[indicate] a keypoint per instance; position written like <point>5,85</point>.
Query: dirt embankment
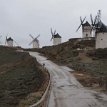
<point>90,65</point>
<point>22,79</point>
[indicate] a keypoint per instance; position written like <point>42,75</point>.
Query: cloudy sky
<point>19,18</point>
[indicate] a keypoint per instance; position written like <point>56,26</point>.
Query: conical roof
<point>101,27</point>
<point>86,24</point>
<point>9,39</point>
<point>57,36</point>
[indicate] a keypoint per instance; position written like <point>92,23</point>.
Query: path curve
<point>66,90</point>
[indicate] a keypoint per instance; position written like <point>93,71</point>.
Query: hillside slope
<point>20,75</point>
<point>90,64</point>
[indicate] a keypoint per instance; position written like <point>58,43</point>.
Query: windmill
<point>96,23</point>
<point>9,41</point>
<point>55,37</point>
<point>86,28</point>
<point>100,30</point>
<point>35,41</point>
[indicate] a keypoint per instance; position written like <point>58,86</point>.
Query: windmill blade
<point>35,39</point>
<point>31,42</point>
<point>91,19</point>
<point>95,20</point>
<point>6,40</point>
<point>78,27</point>
<point>92,23</point>
<point>52,32</point>
<point>31,36</point>
<point>51,38</point>
<point>38,36</point>
<point>83,20</point>
<point>80,19</point>
<point>99,15</point>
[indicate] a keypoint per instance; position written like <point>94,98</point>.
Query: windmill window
<point>86,35</point>
<point>101,39</point>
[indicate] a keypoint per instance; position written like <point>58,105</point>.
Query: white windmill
<point>35,41</point>
<point>55,37</point>
<point>9,42</point>
<point>100,31</point>
<point>86,28</point>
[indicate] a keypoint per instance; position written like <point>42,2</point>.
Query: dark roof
<point>9,39</point>
<point>86,24</point>
<point>101,27</point>
<point>57,36</point>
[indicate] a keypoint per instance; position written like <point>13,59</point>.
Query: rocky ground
<point>22,79</point>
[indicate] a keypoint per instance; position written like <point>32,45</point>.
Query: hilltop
<point>90,65</point>
<point>22,79</point>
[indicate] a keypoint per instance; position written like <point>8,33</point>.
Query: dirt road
<point>66,90</point>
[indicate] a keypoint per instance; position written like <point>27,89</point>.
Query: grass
<point>20,75</point>
<point>92,62</point>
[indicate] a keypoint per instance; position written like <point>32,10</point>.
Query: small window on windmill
<point>101,39</point>
<point>86,35</point>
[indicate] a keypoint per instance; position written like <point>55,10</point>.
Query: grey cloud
<point>21,17</point>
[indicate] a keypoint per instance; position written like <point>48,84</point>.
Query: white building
<point>9,42</point>
<point>86,30</point>
<point>101,37</point>
<point>35,43</point>
<point>56,39</point>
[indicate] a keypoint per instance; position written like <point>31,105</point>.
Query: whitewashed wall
<point>10,43</point>
<point>56,41</point>
<point>101,40</point>
<point>86,30</point>
<point>35,44</point>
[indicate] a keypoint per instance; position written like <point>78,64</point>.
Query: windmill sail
<point>82,21</point>
<point>53,34</point>
<point>31,36</point>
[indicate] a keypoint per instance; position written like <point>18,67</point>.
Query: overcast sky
<point>19,18</point>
